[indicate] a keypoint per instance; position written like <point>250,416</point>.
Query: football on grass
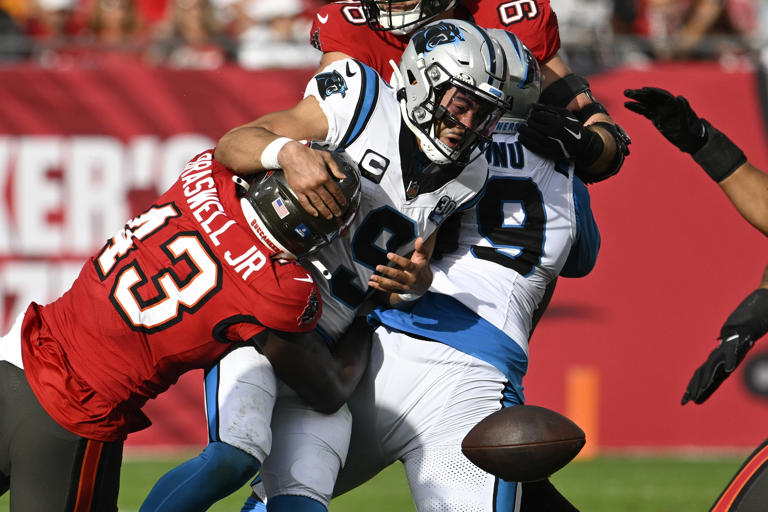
<point>523,443</point>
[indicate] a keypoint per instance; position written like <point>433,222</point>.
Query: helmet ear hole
<point>411,78</point>
<point>279,220</point>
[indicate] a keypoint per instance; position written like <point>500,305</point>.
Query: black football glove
<point>555,133</point>
<point>676,120</point>
<point>747,324</point>
<point>671,115</point>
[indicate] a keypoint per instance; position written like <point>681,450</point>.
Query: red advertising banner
<point>81,151</point>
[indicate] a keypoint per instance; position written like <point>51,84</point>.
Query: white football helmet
<point>385,15</point>
<point>452,73</point>
<point>523,86</point>
<point>278,219</point>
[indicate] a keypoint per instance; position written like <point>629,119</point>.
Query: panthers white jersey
<point>402,198</point>
<point>513,242</point>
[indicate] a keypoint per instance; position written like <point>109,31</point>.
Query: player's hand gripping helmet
<point>275,214</point>
<point>451,75</point>
<point>402,16</point>
<point>523,85</point>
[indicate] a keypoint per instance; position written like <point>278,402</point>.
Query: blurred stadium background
<point>102,102</point>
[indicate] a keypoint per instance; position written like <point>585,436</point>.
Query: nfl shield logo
<point>302,230</point>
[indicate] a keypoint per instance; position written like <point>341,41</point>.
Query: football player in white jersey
<point>459,353</point>
<point>417,147</point>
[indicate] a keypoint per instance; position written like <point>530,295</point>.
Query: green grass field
<point>606,484</point>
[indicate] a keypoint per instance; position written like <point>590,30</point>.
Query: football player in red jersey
<point>181,283</point>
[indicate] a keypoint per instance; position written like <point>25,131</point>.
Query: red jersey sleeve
<point>341,27</point>
<point>332,25</point>
<point>532,21</point>
<point>292,301</point>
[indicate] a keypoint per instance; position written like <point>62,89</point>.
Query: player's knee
<point>294,504</point>
<point>227,463</point>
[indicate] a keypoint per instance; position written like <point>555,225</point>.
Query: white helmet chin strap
<point>428,145</point>
<point>262,233</point>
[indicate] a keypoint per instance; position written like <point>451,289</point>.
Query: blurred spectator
<point>278,36</point>
<point>16,9</point>
<point>152,12</point>
<point>192,38</point>
<point>695,29</point>
<point>53,26</point>
<point>586,33</point>
<point>114,31</point>
<point>53,19</point>
<point>630,27</point>
<point>228,14</point>
<point>626,15</point>
<point>14,44</point>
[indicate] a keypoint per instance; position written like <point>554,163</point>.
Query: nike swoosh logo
<point>322,19</point>
<point>307,279</point>
<point>350,74</point>
<point>576,136</point>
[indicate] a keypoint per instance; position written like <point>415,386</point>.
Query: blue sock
<point>197,484</point>
<point>253,504</point>
<point>294,504</point>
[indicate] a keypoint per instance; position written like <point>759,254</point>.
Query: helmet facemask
<point>396,16</point>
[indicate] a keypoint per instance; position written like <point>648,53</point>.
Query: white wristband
<point>269,155</point>
<point>410,297</point>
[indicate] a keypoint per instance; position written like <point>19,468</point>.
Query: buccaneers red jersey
<point>165,295</point>
<point>341,27</point>
<point>532,21</point>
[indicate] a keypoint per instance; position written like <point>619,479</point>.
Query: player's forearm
<point>335,380</point>
<point>324,379</point>
<point>241,148</point>
<point>747,189</point>
<point>606,162</point>
<point>561,88</point>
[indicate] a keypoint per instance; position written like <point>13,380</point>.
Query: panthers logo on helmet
<point>434,35</point>
<point>331,83</point>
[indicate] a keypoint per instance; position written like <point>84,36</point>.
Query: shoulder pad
<point>348,92</point>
